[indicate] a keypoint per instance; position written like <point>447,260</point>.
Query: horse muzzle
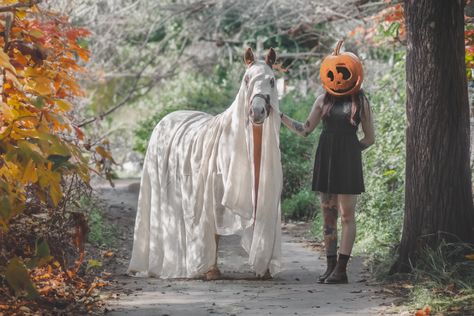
<point>260,108</point>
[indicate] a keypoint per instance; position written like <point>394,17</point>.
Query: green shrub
<point>381,207</point>
<point>189,91</point>
<point>297,156</point>
<point>101,233</point>
<point>302,205</point>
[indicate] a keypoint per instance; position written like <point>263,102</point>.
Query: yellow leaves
<point>92,263</point>
<point>51,180</point>
<point>59,148</point>
<point>55,192</point>
<point>6,113</point>
<point>104,153</point>
<point>5,62</point>
<point>40,86</point>
<point>38,143</point>
<point>21,14</point>
<point>64,105</point>
<point>28,151</point>
<point>36,33</point>
<point>11,77</point>
<point>29,173</point>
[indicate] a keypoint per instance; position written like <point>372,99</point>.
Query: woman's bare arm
<point>367,122</point>
<point>304,129</point>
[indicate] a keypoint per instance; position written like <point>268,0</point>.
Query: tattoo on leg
<point>330,212</point>
<point>326,197</point>
<point>330,229</point>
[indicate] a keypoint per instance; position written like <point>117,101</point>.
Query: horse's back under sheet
<point>197,182</point>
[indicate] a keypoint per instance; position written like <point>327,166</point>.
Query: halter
<point>266,98</point>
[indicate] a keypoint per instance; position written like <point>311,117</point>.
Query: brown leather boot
<point>331,264</point>
<point>339,276</point>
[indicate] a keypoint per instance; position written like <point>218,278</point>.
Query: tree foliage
<point>44,156</point>
<point>39,144</point>
<point>388,26</point>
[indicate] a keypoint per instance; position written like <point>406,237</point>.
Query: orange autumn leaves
<point>425,311</point>
<point>39,60</point>
<point>388,25</point>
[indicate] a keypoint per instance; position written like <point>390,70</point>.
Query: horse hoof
<point>266,276</point>
<point>213,274</point>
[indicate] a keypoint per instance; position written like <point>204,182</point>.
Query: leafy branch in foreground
<point>42,160</point>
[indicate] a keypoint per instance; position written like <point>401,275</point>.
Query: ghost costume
<point>198,181</point>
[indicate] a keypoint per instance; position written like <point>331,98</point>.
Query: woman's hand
<point>311,122</point>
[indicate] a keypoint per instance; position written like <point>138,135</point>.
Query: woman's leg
<point>329,207</point>
<point>346,205</point>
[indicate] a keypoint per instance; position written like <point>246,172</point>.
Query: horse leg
<point>214,273</point>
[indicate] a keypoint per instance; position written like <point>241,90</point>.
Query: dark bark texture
<point>438,192</point>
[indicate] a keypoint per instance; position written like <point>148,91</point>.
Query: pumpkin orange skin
<point>341,73</point>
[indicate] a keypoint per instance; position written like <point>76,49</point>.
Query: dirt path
<point>293,292</point>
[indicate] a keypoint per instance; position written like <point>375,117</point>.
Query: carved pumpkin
<point>341,73</point>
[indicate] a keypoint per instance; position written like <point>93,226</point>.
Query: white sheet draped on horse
<point>197,182</point>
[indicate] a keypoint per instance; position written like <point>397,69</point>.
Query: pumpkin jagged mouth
<point>343,90</point>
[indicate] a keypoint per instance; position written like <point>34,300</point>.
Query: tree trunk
<point>438,193</point>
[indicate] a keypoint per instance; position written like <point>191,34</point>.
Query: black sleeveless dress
<point>338,162</point>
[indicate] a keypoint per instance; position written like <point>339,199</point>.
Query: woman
<point>337,171</point>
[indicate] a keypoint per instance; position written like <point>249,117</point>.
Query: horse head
<point>260,84</point>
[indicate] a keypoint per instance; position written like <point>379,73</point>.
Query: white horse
<point>205,176</point>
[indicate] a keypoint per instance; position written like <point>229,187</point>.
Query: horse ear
<point>249,57</point>
<point>271,57</point>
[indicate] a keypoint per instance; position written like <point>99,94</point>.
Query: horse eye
<point>272,82</point>
<point>247,80</point>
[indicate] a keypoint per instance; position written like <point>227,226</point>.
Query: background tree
<point>438,193</point>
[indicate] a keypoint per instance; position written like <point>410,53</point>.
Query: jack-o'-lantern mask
<point>341,73</point>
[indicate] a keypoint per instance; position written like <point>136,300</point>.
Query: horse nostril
<point>263,111</point>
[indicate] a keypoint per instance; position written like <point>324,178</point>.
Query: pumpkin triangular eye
<point>346,74</point>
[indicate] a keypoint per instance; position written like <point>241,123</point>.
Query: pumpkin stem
<point>338,47</point>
